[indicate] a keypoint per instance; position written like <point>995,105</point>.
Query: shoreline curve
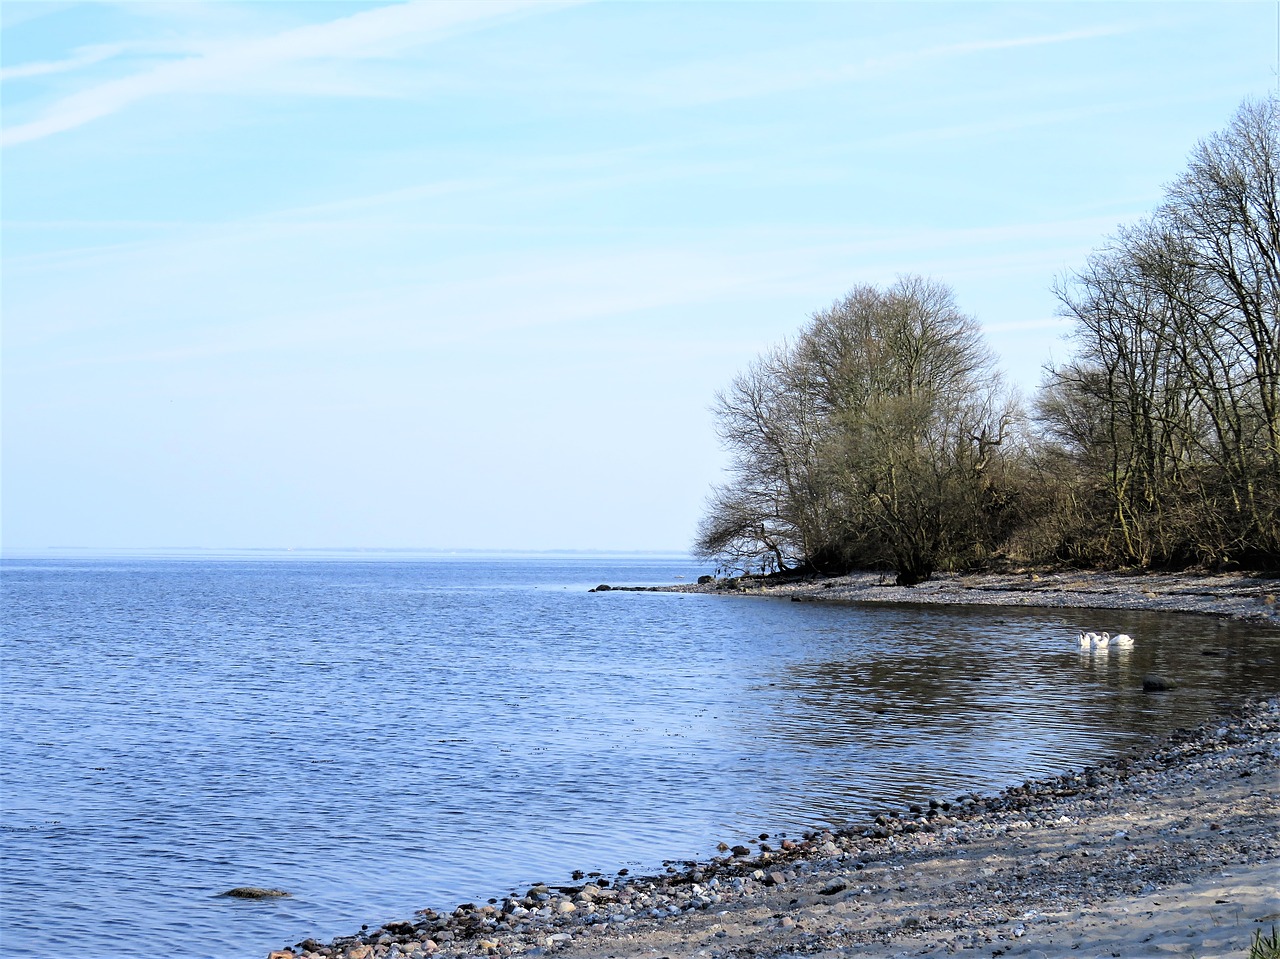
<point>1249,597</point>
<point>1173,850</point>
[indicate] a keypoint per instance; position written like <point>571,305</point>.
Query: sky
<point>468,276</point>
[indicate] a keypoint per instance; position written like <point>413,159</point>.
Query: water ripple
<point>377,737</point>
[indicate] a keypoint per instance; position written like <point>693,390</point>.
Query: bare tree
<point>770,516</point>
<point>868,441</point>
<point>1170,408</point>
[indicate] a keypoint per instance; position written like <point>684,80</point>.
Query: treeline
<point>882,437</point>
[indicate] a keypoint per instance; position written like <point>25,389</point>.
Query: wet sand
<point>1171,852</point>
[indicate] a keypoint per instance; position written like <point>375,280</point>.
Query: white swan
<point>1092,640</point>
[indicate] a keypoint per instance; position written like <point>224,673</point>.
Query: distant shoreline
<point>1239,596</point>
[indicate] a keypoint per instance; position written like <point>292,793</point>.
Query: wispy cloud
<point>13,14</point>
<point>239,67</point>
<point>789,70</point>
<point>84,57</point>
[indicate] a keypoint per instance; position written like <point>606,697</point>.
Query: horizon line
<point>431,550</point>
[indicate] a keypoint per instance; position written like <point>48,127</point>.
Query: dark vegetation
<point>882,437</point>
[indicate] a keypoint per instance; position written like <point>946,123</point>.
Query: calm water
<point>377,735</point>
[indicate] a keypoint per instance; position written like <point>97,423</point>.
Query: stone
<point>1151,683</point>
<point>254,892</point>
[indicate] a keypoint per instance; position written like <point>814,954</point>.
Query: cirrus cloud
<point>239,66</point>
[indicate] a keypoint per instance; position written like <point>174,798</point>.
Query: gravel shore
<point>1234,595</point>
<point>1174,851</point>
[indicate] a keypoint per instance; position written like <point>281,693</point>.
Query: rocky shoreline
<point>1243,596</point>
<point>1173,851</point>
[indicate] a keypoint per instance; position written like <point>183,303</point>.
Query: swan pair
<point>1103,640</point>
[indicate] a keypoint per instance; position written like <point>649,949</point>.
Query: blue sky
<point>469,275</point>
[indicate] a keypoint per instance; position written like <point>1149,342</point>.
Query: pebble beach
<point>1227,596</point>
<point>1171,850</point>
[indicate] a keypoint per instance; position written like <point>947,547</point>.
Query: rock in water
<point>255,892</point>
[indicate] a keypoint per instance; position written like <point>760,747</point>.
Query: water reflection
<point>904,703</point>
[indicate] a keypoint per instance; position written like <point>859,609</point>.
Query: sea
<point>378,732</point>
